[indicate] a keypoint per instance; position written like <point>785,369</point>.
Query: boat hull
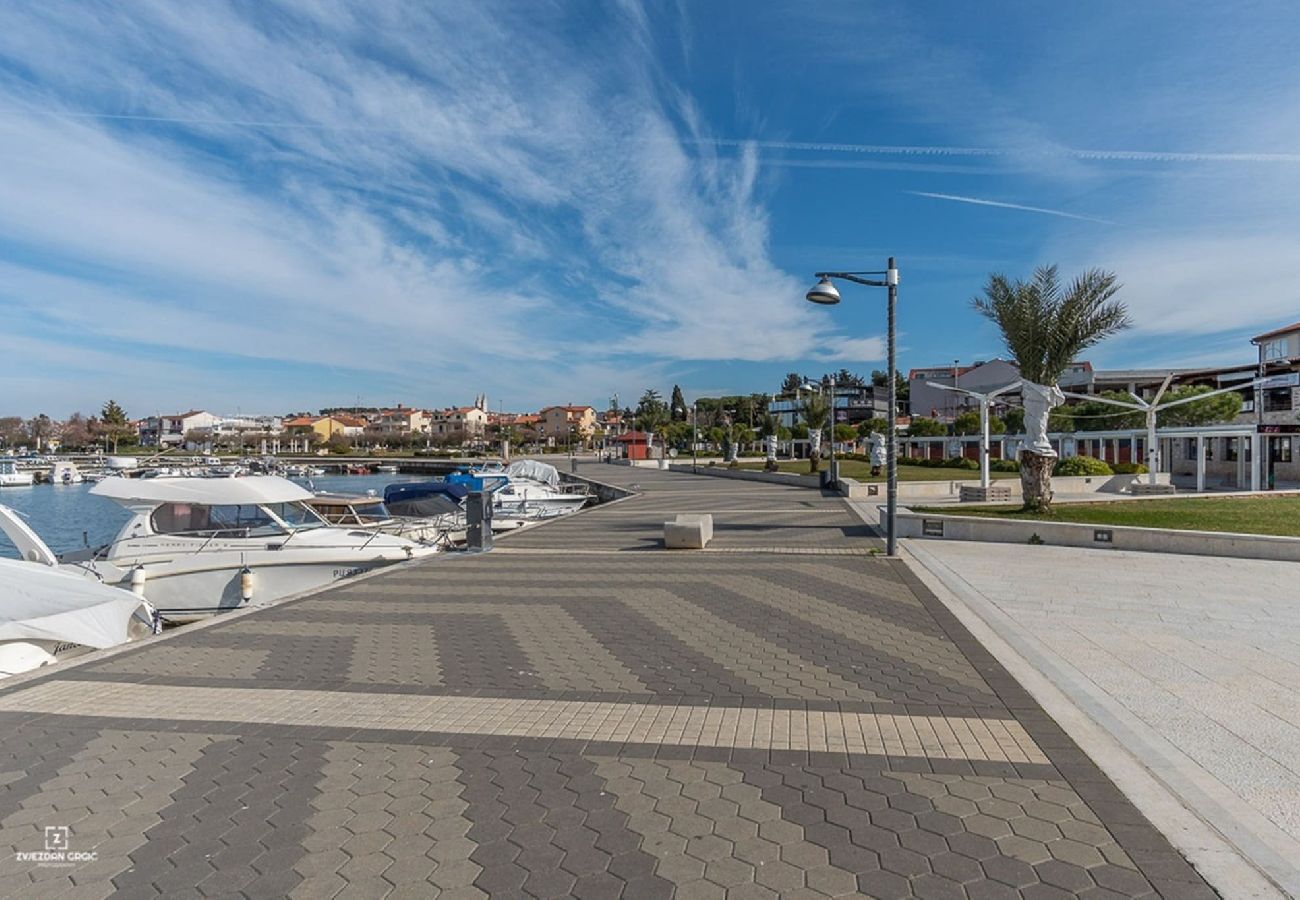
<point>183,590</point>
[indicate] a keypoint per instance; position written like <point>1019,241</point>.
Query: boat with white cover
<point>12,476</point>
<point>50,614</point>
<point>532,490</point>
<point>199,546</point>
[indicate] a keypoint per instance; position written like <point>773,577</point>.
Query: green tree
<point>1045,326</point>
<point>1093,415</point>
<point>1223,408</point>
<point>113,423</point>
<point>678,405</point>
<point>651,413</point>
<point>920,426</point>
<point>967,423</point>
<point>793,381</point>
<point>879,426</point>
<point>844,432</point>
<point>1015,420</point>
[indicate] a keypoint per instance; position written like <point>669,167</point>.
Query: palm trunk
<point>1036,480</point>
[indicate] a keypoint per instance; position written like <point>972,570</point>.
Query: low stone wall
<point>942,489</point>
<point>1106,537</point>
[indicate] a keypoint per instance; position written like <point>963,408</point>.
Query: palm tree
<point>816,411</point>
<point>651,413</point>
<point>1045,326</point>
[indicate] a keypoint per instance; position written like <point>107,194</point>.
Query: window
<point>1230,449</point>
<point>1281,449</point>
<point>198,520</point>
<point>1277,348</point>
<point>1277,399</point>
<point>296,515</point>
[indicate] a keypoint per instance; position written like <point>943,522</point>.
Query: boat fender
<point>246,583</point>
<point>138,578</point>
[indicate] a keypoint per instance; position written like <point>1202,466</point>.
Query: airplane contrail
<point>979,201</point>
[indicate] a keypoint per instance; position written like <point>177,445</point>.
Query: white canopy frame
<point>985,401</point>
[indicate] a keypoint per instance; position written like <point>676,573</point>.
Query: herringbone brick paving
<point>577,714</point>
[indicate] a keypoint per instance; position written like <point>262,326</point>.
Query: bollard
<point>478,520</point>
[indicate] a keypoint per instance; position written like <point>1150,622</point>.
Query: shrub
<point>1129,469</point>
<point>1082,465</point>
<point>958,462</point>
<point>1004,465</point>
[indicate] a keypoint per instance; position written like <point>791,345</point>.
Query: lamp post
<point>825,293</point>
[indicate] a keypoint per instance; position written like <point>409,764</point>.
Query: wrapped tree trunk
<point>815,448</point>
<point>1038,457</point>
<point>770,447</point>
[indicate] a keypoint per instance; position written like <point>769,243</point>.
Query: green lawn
<point>860,471</point>
<point>1246,515</point>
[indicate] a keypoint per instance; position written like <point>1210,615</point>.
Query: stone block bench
<point>688,532</point>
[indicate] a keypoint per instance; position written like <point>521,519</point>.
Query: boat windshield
<point>296,514</point>
<point>227,520</point>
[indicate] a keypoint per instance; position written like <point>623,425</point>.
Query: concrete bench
<point>688,532</point>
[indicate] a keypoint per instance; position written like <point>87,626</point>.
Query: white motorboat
<point>51,614</point>
<point>64,472</point>
<point>533,491</point>
<point>386,469</point>
<point>12,476</point>
<point>369,511</point>
<point>199,546</point>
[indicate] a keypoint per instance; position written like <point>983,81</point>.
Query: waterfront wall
<point>929,526</point>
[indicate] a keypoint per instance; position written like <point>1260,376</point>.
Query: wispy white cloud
<point>302,183</point>
<point>980,201</point>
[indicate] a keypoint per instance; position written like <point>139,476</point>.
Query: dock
<point>578,713</point>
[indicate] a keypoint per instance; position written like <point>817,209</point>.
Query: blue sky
<point>266,206</point>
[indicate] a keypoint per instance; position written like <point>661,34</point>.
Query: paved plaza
<point>577,714</point>
<point>1193,662</point>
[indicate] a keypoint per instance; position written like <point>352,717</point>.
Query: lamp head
<point>823,292</point>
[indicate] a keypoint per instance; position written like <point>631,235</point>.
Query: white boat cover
<point>534,471</point>
<point>251,490</point>
<point>40,603</point>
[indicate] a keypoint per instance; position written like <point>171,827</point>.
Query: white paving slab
<point>1192,664</point>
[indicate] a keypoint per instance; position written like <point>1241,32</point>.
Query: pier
<point>577,713</point>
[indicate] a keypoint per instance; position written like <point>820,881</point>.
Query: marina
<point>194,543</point>
<point>489,723</point>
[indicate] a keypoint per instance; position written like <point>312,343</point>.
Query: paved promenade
<point>1192,662</point>
<point>578,713</point>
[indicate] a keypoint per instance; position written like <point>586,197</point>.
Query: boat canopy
<point>45,604</point>
<point>253,490</point>
<point>534,471</point>
<point>421,499</point>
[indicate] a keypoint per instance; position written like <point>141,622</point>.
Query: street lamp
<point>826,293</point>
